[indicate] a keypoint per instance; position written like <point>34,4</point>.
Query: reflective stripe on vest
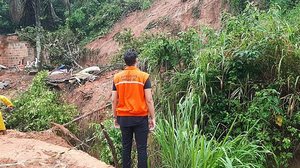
<point>131,95</point>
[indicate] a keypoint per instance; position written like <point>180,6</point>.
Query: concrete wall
<point>14,52</point>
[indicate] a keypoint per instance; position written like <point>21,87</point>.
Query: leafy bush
<point>38,107</point>
<point>6,25</point>
<point>272,126</point>
<point>101,147</point>
<point>238,6</point>
<point>94,18</point>
<point>248,70</point>
<point>60,47</point>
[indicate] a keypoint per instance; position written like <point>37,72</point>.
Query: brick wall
<point>14,52</point>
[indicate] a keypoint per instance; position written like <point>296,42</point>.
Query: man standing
<point>132,103</point>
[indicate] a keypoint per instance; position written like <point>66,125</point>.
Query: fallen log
<point>87,114</point>
<point>60,130</point>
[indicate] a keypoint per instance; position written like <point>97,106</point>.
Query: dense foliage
<point>248,71</point>
<point>90,19</point>
<point>65,27</point>
<point>36,108</point>
<point>86,19</point>
<point>237,6</point>
<point>101,146</point>
<point>60,47</point>
<point>224,98</point>
<point>6,25</point>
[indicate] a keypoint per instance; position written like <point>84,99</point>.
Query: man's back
<point>131,104</point>
<point>130,84</point>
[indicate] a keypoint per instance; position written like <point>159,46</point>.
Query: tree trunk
<point>38,34</point>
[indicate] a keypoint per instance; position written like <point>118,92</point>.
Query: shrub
<point>94,18</point>
<point>101,146</point>
<point>38,107</point>
<point>59,47</point>
<point>248,70</point>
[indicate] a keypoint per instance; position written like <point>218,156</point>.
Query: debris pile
<point>61,76</point>
<point>4,84</point>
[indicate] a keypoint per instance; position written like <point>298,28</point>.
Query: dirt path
<point>177,14</point>
<point>21,152</point>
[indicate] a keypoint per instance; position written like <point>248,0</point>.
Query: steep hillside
<point>175,14</point>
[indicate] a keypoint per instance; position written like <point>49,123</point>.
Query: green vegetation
<point>238,6</point>
<point>227,98</point>
<point>183,145</point>
<point>86,19</point>
<point>64,27</point>
<point>248,71</point>
<point>101,146</point>
<point>91,19</point>
<point>6,25</point>
<point>62,46</point>
<point>38,107</point>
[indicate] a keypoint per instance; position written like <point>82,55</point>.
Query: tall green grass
<point>182,144</point>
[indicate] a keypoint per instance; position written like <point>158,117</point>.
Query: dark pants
<point>141,135</point>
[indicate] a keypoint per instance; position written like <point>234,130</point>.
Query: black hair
<point>130,57</point>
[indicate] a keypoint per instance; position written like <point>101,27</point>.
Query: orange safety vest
<point>130,88</point>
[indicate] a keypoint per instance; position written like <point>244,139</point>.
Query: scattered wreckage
<point>4,84</point>
<point>69,77</point>
<point>63,76</point>
<point>59,76</point>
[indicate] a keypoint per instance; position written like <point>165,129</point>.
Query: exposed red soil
<point>92,96</point>
<point>41,149</point>
<point>18,151</point>
<point>45,149</point>
<point>19,82</point>
<point>46,136</point>
<point>178,14</point>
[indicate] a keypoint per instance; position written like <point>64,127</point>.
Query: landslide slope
<point>178,15</point>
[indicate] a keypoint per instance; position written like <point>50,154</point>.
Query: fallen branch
<point>66,134</point>
<point>72,57</point>
<point>85,115</point>
<point>111,146</point>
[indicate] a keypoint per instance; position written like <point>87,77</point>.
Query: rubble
<point>89,74</point>
<point>4,84</point>
<point>2,67</point>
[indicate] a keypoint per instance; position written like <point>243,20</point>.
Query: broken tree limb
<point>66,134</point>
<point>72,57</point>
<point>111,146</point>
<point>85,115</point>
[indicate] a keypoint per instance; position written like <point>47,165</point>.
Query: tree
<point>29,12</point>
<point>6,25</point>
